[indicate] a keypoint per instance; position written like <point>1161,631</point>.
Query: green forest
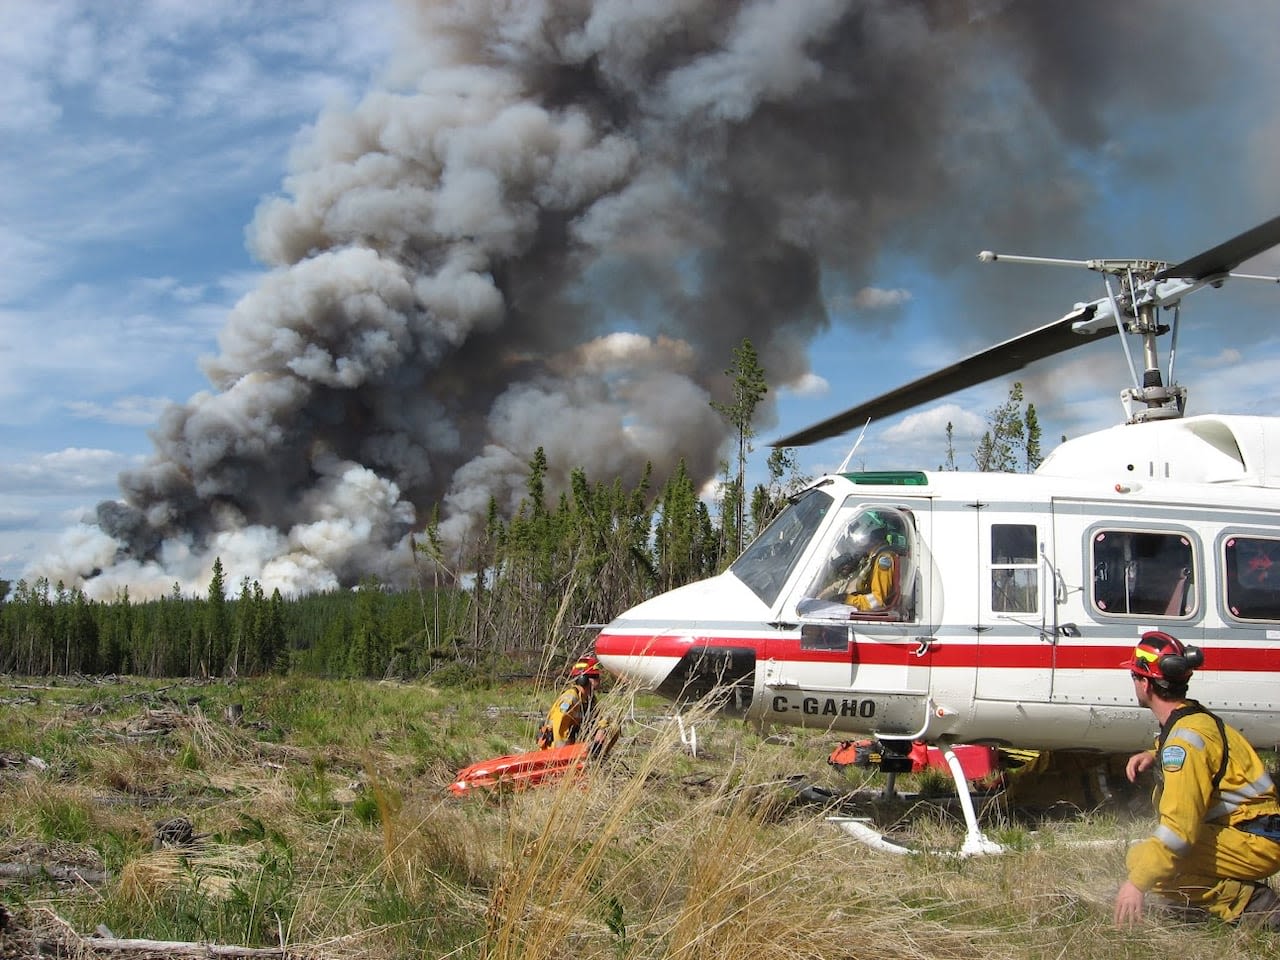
<point>533,583</point>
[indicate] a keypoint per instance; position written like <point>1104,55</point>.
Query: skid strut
<point>976,843</point>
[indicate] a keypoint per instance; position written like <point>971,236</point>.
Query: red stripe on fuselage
<point>946,654</point>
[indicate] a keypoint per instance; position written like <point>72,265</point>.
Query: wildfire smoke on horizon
<point>552,227</point>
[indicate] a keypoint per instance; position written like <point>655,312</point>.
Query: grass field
<point>315,815</point>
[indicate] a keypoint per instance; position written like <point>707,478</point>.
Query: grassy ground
<point>323,822</point>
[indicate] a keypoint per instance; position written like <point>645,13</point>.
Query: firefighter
<point>570,714</point>
<point>867,576</point>
<point>1218,839</point>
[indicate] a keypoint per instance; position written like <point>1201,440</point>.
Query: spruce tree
<point>747,390</point>
<point>217,622</point>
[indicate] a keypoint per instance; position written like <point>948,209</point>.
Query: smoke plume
<point>552,227</point>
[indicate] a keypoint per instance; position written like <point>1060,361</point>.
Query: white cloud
<point>1227,357</point>
<point>126,411</point>
<point>73,470</point>
<point>870,299</point>
<point>930,425</point>
<point>808,385</point>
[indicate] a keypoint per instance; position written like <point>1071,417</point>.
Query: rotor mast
<point>1135,310</point>
<point>1161,402</point>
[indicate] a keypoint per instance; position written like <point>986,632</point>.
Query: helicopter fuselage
<point>1017,597</point>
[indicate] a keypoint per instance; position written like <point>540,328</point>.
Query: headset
<point>1174,667</point>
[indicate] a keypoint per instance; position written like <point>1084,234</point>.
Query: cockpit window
<point>766,565</point>
<point>869,572</point>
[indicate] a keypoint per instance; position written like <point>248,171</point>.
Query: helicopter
<point>1007,602</point>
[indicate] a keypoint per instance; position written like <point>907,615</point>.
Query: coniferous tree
<point>217,622</point>
<point>747,390</point>
<point>83,635</point>
<point>241,630</point>
<point>117,639</point>
<point>1004,440</point>
<point>678,533</point>
<point>370,652</point>
<point>271,632</point>
<point>767,500</point>
<point>730,517</point>
<point>950,462</point>
<point>1034,456</point>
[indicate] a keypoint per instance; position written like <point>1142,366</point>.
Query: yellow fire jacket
<point>1188,799</point>
<point>567,714</point>
<point>873,588</point>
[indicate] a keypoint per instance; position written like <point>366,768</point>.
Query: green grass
<point>325,821</point>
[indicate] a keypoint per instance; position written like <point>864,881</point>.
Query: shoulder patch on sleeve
<point>1172,759</point>
<point>884,561</point>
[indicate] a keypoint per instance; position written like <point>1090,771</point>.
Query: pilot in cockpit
<point>867,571</point>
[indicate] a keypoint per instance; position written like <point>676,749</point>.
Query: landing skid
<point>976,843</point>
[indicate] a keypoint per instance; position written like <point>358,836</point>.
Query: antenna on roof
<point>852,450</point>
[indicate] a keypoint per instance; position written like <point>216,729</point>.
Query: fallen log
<point>52,871</point>
<point>44,933</point>
<point>180,948</point>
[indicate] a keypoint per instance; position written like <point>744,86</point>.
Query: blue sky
<point>139,140</point>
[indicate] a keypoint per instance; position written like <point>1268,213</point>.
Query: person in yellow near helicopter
<point>1218,839</point>
<point>867,576</point>
<point>570,713</point>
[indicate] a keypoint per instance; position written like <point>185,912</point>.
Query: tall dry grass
<point>338,838</point>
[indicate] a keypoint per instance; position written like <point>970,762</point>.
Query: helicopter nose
<point>640,657</point>
<point>684,669</point>
<point>693,641</point>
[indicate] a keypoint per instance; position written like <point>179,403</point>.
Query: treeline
<point>521,601</point>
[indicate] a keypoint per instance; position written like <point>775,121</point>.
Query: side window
<point>869,569</point>
<point>1141,573</point>
<point>815,636</point>
<point>1251,568</point>
<point>1015,569</point>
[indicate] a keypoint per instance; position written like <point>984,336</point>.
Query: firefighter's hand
<point>1129,903</point>
<point>1139,763</point>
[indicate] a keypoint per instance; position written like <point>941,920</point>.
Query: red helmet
<point>1162,656</point>
<point>587,666</point>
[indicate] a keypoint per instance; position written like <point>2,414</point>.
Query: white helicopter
<point>1007,601</point>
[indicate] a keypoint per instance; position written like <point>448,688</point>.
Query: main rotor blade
<point>1003,358</point>
<point>1228,255</point>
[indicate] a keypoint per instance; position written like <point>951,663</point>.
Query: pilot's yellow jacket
<point>873,588</point>
<point>1199,853</point>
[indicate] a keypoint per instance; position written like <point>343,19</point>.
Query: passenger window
<point>1143,574</point>
<point>1015,570</point>
<point>1252,573</point>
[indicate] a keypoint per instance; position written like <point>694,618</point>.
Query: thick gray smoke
<point>554,225</point>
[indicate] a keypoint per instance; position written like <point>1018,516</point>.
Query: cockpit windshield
<point>767,563</point>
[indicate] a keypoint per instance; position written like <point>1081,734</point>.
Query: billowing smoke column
<point>551,230</point>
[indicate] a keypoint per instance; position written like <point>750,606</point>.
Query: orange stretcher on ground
<point>520,770</point>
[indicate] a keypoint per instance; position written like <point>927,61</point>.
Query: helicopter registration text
<point>824,706</point>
